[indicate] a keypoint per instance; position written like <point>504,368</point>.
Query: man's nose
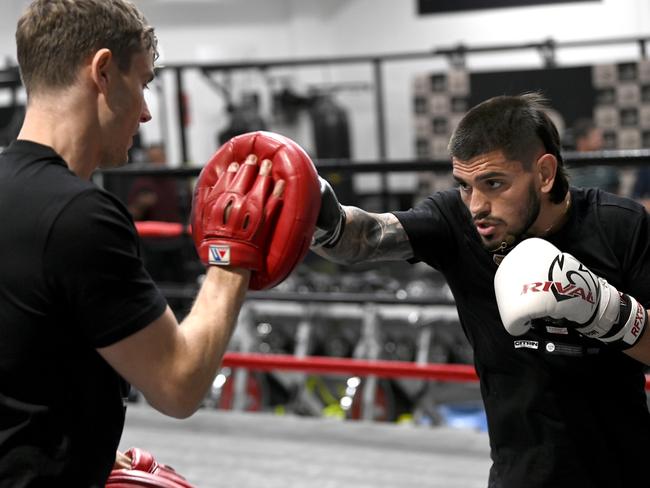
<point>145,116</point>
<point>479,205</point>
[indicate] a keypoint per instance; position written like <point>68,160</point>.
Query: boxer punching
<point>551,284</point>
<point>80,318</point>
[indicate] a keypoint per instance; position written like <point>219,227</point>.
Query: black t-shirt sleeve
<point>429,230</point>
<point>636,264</point>
<point>93,264</point>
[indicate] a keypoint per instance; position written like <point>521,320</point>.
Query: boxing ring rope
<point>621,157</point>
<point>149,229</point>
<point>155,230</point>
<point>462,373</point>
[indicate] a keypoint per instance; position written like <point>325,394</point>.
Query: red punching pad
<point>289,240</point>
<point>145,472</point>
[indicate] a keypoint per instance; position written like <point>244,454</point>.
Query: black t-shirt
<point>71,281</point>
<point>563,410</point>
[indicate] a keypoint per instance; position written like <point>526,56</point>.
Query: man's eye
<point>493,184</point>
<point>463,186</point>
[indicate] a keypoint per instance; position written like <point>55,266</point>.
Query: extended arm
<point>172,365</point>
<point>351,235</point>
<point>368,237</point>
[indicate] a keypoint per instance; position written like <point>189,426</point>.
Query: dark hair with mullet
<point>516,125</point>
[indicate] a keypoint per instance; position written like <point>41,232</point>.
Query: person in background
<point>155,197</point>
<point>587,137</point>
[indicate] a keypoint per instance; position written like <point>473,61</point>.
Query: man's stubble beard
<point>533,206</point>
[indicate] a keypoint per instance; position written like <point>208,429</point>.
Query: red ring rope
<point>153,229</point>
<point>358,367</point>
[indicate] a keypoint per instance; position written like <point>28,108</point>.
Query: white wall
<point>245,30</point>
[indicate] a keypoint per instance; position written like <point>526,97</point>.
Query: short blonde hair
<point>54,37</point>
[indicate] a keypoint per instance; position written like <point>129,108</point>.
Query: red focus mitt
<point>237,222</point>
<point>145,471</point>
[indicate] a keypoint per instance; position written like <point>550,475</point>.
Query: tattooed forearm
<point>369,237</point>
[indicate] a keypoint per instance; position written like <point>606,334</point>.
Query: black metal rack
<point>456,55</point>
<point>622,157</point>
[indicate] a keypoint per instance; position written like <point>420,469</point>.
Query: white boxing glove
<point>536,280</point>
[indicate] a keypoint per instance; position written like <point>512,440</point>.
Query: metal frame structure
<point>456,55</point>
<point>622,157</point>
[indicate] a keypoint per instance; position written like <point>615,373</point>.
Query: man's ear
<point>546,171</point>
<point>100,65</point>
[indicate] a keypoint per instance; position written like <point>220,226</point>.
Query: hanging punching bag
<point>332,141</point>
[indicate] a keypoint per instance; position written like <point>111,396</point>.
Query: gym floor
<point>258,450</point>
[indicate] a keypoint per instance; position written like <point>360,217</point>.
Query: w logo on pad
<point>219,255</point>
